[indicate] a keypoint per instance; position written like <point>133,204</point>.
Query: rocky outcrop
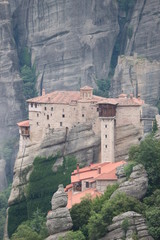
<point>3,178</point>
<point>58,220</point>
<point>71,41</point>
<point>80,141</point>
<point>135,227</point>
<point>137,184</point>
<point>11,96</point>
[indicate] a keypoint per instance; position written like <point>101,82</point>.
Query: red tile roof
<point>63,97</point>
<point>23,124</point>
<point>123,101</point>
<point>74,198</point>
<point>91,171</point>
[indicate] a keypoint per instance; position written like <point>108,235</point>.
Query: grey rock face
<point>146,31</point>
<point>136,226</point>
<point>3,179</point>
<point>11,99</point>
<point>71,41</point>
<point>59,219</point>
<point>137,75</point>
<point>137,184</point>
<point>126,136</point>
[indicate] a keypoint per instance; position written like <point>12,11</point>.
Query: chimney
<point>139,97</point>
<point>77,167</point>
<point>43,92</point>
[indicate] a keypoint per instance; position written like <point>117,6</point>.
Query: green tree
<point>80,213</point>
<point>96,226</point>
<point>148,154</point>
<point>119,204</point>
<point>155,126</point>
<point>24,232</point>
<point>28,75</point>
<point>103,87</point>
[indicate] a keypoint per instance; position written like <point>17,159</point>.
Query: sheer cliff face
<point>145,23</point>
<point>71,41</point>
<point>10,82</point>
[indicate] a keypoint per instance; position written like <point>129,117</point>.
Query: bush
<point>24,232</point>
<point>78,235</point>
<point>119,204</point>
<point>103,87</point>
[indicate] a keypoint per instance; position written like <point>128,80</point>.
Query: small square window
<point>51,108</point>
<point>31,104</point>
<point>61,124</point>
<point>49,125</point>
<point>106,136</point>
<point>97,109</point>
<point>35,105</point>
<point>37,123</point>
<point>47,117</point>
<point>63,115</point>
<point>37,114</point>
<point>105,146</point>
<point>105,126</point>
<point>45,108</point>
<point>82,115</point>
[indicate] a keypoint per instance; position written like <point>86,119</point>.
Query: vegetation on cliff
<point>28,74</point>
<point>42,184</point>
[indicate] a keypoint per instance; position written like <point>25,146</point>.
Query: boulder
<point>59,220</point>
<point>137,184</point>
<point>135,227</point>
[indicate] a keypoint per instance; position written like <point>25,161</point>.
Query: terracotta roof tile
<point>23,124</point>
<point>74,198</point>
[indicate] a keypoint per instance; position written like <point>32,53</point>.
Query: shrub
<point>96,226</point>
<point>78,235</point>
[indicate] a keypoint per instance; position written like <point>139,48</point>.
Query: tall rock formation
<point>58,219</point>
<point>71,41</point>
<point>11,97</point>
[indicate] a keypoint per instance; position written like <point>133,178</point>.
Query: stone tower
<point>107,114</point>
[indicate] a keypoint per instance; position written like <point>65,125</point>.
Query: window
<point>105,146</point>
<point>106,136</point>
<point>87,184</point>
<point>105,126</point>
<point>82,115</point>
<point>49,125</point>
<point>31,104</point>
<point>37,123</point>
<point>35,105</point>
<point>51,114</point>
<point>37,114</point>
<point>63,115</point>
<point>51,108</point>
<point>47,117</point>
<point>45,108</point>
<point>61,124</point>
<point>97,109</point>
